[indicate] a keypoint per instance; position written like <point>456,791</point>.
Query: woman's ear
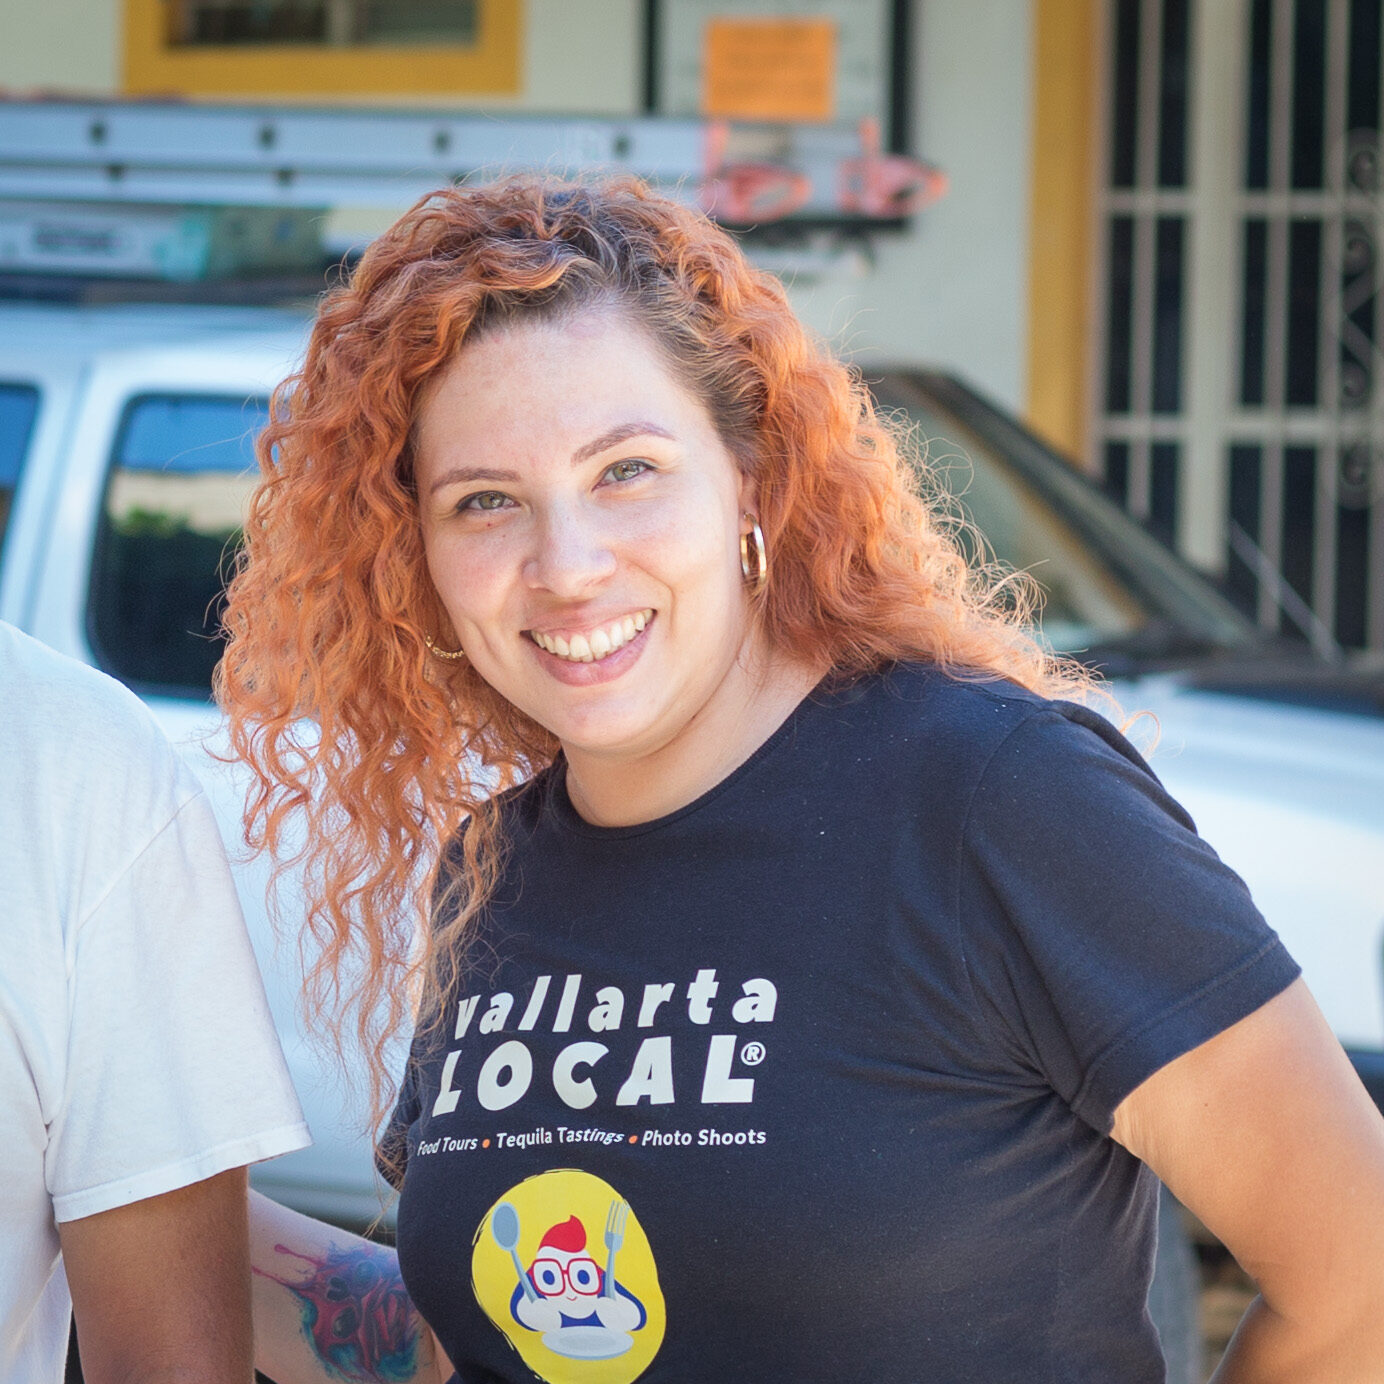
<point>749,493</point>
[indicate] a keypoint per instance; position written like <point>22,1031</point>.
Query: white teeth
<point>600,643</point>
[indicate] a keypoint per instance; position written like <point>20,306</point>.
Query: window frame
<point>489,67</point>
<point>35,391</point>
<point>97,572</point>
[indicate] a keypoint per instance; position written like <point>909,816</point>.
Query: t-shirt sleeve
<point>173,1072</point>
<point>391,1157</point>
<point>1103,936</point>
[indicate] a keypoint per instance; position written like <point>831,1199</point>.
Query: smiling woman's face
<point>581,519</point>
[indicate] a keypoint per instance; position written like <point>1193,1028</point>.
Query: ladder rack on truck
<point>138,154</point>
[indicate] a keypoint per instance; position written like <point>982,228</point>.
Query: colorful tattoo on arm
<point>357,1318</point>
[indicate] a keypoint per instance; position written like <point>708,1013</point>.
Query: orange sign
<point>769,69</point>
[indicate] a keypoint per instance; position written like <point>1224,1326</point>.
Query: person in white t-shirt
<point>139,1069</point>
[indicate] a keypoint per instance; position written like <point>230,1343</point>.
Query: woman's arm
<point>1266,1133</point>
<point>329,1305</point>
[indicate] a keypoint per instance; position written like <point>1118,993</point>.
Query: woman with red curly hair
<point>804,985</point>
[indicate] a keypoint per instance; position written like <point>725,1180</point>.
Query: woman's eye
<point>485,500</point>
<point>626,470</point>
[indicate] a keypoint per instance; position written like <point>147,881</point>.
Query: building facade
<point>1160,242</point>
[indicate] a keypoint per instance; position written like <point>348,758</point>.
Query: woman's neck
<point>611,791</point>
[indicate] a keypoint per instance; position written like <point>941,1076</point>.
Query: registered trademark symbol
<point>752,1054</point>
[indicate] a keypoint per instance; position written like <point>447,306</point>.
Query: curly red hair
<point>332,605</point>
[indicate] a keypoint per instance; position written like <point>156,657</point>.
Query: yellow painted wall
<point>1061,198</point>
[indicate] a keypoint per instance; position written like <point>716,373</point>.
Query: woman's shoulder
<point>907,700</point>
<point>960,728</point>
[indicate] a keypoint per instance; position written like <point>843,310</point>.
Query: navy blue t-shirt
<point>812,1080</point>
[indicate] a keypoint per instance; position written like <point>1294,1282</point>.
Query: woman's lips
<point>585,672</point>
<point>593,644</point>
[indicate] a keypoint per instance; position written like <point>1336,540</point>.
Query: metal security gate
<point>1240,397</point>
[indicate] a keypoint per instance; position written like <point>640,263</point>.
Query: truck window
<point>180,477</point>
<point>18,409</point>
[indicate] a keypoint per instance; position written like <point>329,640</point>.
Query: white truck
<point>126,454</point>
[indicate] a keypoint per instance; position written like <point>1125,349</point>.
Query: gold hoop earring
<point>754,558</point>
<point>450,655</point>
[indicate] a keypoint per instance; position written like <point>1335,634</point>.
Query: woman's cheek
<point>471,563</point>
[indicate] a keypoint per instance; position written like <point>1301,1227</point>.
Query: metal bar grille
<point>1144,214</point>
<point>1296,438</point>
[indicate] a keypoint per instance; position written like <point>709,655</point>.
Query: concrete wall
<point>584,55</point>
<point>953,290</point>
<point>60,45</point>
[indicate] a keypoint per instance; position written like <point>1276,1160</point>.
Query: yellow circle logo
<point>562,1266</point>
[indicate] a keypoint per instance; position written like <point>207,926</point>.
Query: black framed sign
<point>834,62</point>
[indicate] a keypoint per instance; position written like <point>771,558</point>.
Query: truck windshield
<point>18,409</point>
<point>1111,592</point>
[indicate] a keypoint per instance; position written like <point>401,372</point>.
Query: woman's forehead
<point>559,384</point>
<point>575,329</point>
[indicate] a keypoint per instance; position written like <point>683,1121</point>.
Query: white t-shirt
<point>136,1050</point>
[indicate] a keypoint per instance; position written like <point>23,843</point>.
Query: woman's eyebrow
<point>466,475</point>
<point>616,435</point>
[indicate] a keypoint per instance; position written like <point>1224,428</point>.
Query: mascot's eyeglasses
<point>581,1276</point>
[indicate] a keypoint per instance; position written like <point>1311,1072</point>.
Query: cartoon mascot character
<point>568,1291</point>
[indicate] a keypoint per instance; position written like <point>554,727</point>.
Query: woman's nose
<point>571,553</point>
